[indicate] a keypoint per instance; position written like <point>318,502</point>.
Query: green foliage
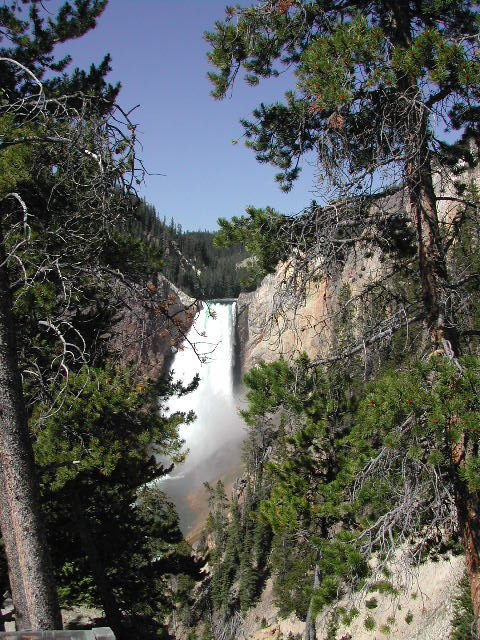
<point>248,578</point>
<point>409,617</point>
<point>123,252</point>
<point>292,578</point>
<point>74,586</point>
<point>14,161</point>
<point>349,615</point>
<point>241,543</point>
<point>300,497</point>
<point>369,623</point>
<point>321,431</point>
<point>293,410</point>
<point>463,616</point>
<point>192,260</point>
<point>34,48</point>
<point>106,419</point>
<point>260,231</point>
<point>341,563</point>
<point>328,65</point>
<point>95,459</point>
<point>207,632</point>
<point>350,69</point>
<point>433,403</point>
<point>233,555</point>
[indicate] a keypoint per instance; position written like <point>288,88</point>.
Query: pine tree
<point>372,79</point>
<point>36,117</point>
<point>247,586</point>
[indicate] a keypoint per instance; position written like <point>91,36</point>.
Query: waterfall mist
<point>214,438</point>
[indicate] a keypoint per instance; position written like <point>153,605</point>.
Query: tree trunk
<point>468,510</point>
<point>13,563</point>
<point>434,277</point>
<point>310,630</point>
<point>442,325</point>
<point>414,130</point>
<point>97,567</point>
<point>468,507</point>
<point>26,548</point>
<point>430,247</point>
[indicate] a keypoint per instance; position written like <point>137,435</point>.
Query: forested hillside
<point>190,259</point>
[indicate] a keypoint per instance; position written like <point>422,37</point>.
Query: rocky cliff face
<point>272,322</point>
<point>270,325</point>
<point>153,323</point>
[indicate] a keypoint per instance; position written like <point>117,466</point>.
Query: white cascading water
<point>214,438</point>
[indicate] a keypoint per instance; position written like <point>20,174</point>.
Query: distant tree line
<point>190,259</point>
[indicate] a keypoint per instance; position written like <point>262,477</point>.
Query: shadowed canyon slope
<point>149,332</point>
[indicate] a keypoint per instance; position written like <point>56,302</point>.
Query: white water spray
<point>214,438</point>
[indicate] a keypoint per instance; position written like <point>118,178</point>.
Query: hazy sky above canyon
<point>159,55</point>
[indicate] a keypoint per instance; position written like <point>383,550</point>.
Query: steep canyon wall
<point>152,324</point>
<point>268,329</point>
<point>272,321</point>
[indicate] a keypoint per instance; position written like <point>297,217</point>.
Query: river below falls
<point>214,439</point>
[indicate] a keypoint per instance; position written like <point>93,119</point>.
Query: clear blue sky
<point>159,55</point>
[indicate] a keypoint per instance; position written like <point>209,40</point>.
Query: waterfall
<point>214,438</point>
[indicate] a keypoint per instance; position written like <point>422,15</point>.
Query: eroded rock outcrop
<point>274,321</point>
<point>270,325</point>
<point>153,323</point>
